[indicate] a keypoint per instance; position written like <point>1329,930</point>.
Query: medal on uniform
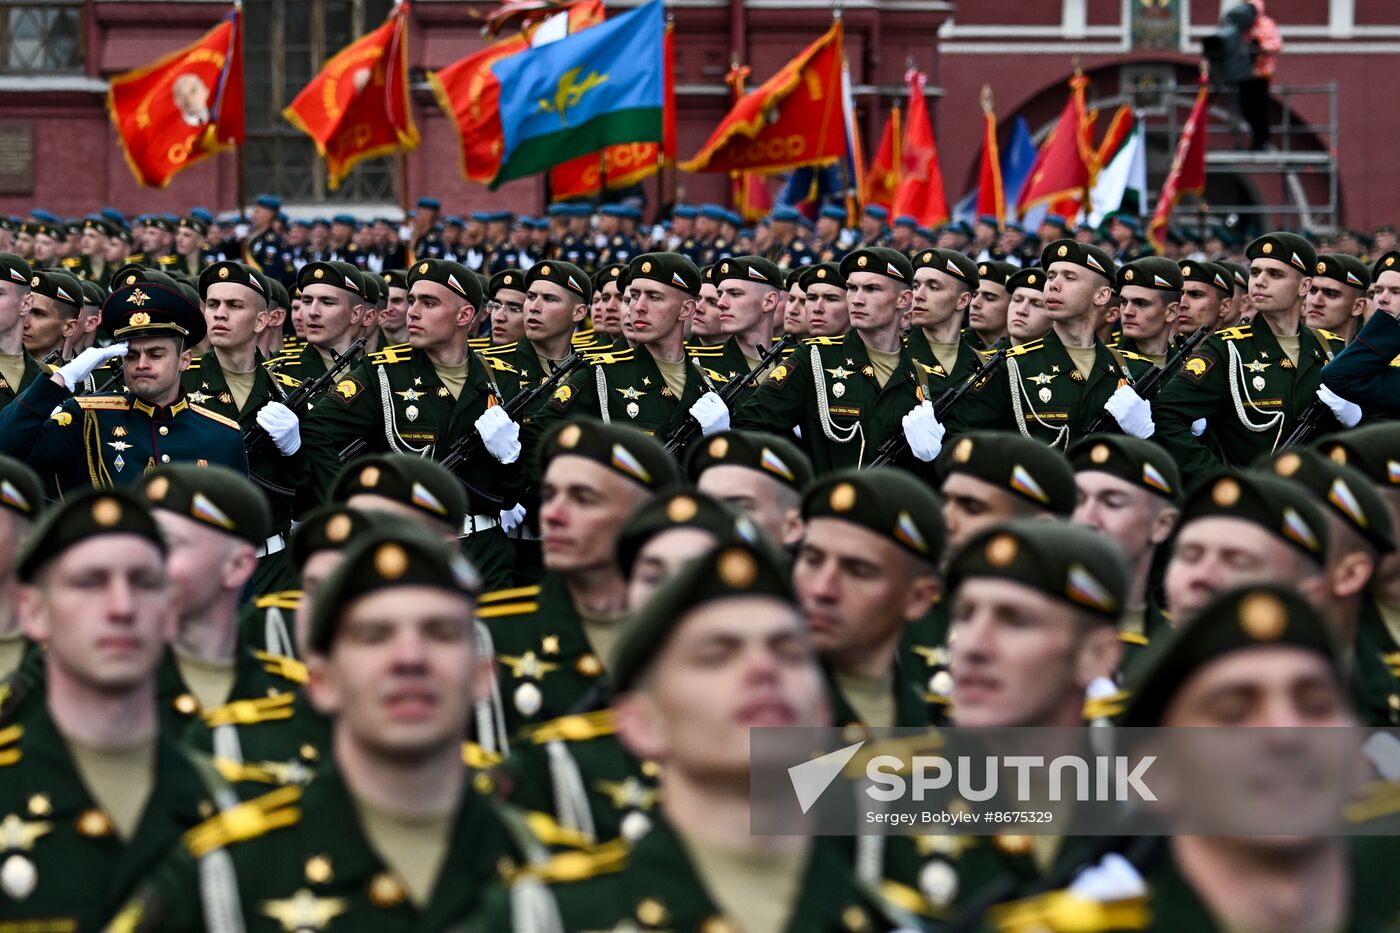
<point>839,389</point>
<point>119,463</point>
<point>938,883</point>
<point>411,413</point>
<point>18,877</point>
<point>1258,383</point>
<point>1044,395</point>
<point>528,699</point>
<point>633,409</point>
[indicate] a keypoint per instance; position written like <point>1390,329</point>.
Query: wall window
<point>41,38</point>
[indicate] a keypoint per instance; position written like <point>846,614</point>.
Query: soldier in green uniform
<point>505,301</point>
<point>17,368</point>
<point>97,233</point>
<point>21,504</point>
<point>1130,490</point>
<point>111,440</point>
<point>55,302</point>
<point>986,315</point>
<point>1151,291</point>
<point>1336,302</point>
<point>945,283</point>
<point>421,399</point>
<point>96,789</point>
<point>1026,318</point>
<point>332,308</point>
<point>1054,387</point>
<point>794,320</point>
<point>720,648</point>
<point>394,326</point>
<point>749,300</point>
<point>762,475</point>
<point>824,301</point>
<point>607,306</point>
<point>1249,383</point>
<point>390,833</point>
<point>1364,373</point>
<point>866,569</point>
<point>557,295</point>
<point>847,395</point>
<point>1207,292</point>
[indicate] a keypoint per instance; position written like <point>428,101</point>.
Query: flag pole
<point>241,181</point>
<point>403,183</point>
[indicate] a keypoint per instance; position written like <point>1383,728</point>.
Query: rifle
<point>1148,386</point>
<point>1309,423</point>
<point>895,444</point>
<point>684,433</point>
<point>300,398</point>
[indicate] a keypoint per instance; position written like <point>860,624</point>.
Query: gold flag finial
<point>987,98</point>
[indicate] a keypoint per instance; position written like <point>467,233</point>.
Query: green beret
<point>826,273</point>
<point>210,495</point>
<point>565,274</point>
<point>237,273</point>
<point>885,500</point>
<point>394,278</point>
<point>749,269</point>
<point>417,482</point>
<point>950,262</point>
<point>484,281</point>
<point>682,508</point>
<point>133,273</point>
<point>1081,254</point>
<point>277,295</point>
<point>1374,450</point>
<point>769,454</point>
<point>667,268</point>
<point>1208,273</point>
<point>21,490</point>
<point>1345,269</point>
<point>881,260</point>
<point>1151,272</point>
<point>195,224</point>
<point>330,273</point>
<point>1347,493</point>
<point>626,450</point>
<point>794,276</point>
<point>333,526</point>
<point>383,559</point>
<point>1039,474</point>
<point>1260,616</point>
<point>101,225</point>
<point>93,293</point>
<point>994,270</point>
<point>15,270</point>
<point>454,276</point>
<point>372,289</point>
<point>58,285</point>
<point>1237,272</point>
<point>1385,262</point>
<point>183,286</point>
<point>512,279</point>
<point>1032,278</point>
<point>152,311</point>
<point>1141,463</point>
<point>729,571</point>
<point>1274,504</point>
<point>1070,563</point>
<point>161,223</point>
<point>1288,248</point>
<point>91,513</point>
<point>55,231</point>
<point>612,272</point>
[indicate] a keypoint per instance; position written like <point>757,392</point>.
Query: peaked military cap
<point>1208,273</point>
<point>1151,272</point>
<point>21,490</point>
<point>214,496</point>
<point>330,273</point>
<point>58,285</point>
<point>682,508</point>
<point>564,274</point>
<point>1374,450</point>
<point>1288,248</point>
<point>728,571</point>
<point>147,310</point>
<point>1033,278</point>
<point>1081,254</point>
<point>333,526</point>
<point>885,500</point>
<point>612,272</point>
<point>769,454</point>
<point>236,272</point>
<point>382,559</point>
<point>15,270</point>
<point>421,484</point>
<point>667,268</point>
<point>1347,493</point>
<point>1139,462</point>
<point>1348,270</point>
<point>1274,504</point>
<point>453,275</point>
<point>1385,262</point>
<point>1073,564</point>
<point>826,273</point>
<point>1029,469</point>
<point>995,270</point>
<point>620,448</point>
<point>950,262</point>
<point>748,269</point>
<point>93,293</point>
<point>512,279</point>
<point>1260,616</point>
<point>91,513</point>
<point>881,260</point>
<point>394,278</point>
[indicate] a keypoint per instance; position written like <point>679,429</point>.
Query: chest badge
<point>411,413</point>
<point>304,911</point>
<point>199,398</point>
<point>409,395</point>
<point>839,389</point>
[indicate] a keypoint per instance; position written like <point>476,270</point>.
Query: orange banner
<point>883,179</point>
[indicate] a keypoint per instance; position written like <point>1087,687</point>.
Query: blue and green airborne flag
<point>594,89</point>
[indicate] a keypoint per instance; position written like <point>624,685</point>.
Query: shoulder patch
<point>515,593</point>
<point>1197,366</point>
<point>103,402</point>
<point>347,389</point>
<point>213,416</point>
<point>779,374</point>
<point>246,821</point>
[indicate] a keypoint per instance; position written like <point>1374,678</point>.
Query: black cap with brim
<point>146,310</point>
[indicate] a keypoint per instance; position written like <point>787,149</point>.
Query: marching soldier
<point>189,247</point>
<point>830,221</point>
<point>762,475</point>
<point>749,300</point>
<point>17,368</point>
<point>1151,291</point>
<point>427,240</point>
<point>21,504</point>
<point>945,284</point>
<point>986,315</point>
<point>1362,373</point>
<point>264,249</point>
<point>505,294</point>
<point>607,304</point>
<point>332,312</point>
<point>51,320</point>
<point>621,245</point>
<point>1207,293</point>
<point>824,306</point>
<point>557,295</point>
<point>1335,307</point>
<point>787,250</point>
<point>394,325</point>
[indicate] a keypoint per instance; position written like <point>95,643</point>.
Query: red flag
<point>991,197</point>
<point>883,179</point>
<point>357,107</point>
<point>920,193</point>
<point>1188,171</point>
<point>469,93</point>
<point>1063,167</point>
<point>183,108</point>
<point>794,118</point>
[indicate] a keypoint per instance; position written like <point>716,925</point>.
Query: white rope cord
<point>570,794</point>
<point>391,426</point>
<point>1237,386</point>
<point>601,382</point>
<point>1018,393</point>
<point>218,893</point>
<point>226,744</point>
<point>532,908</point>
<point>490,712</point>
<point>276,636</point>
<point>823,407</point>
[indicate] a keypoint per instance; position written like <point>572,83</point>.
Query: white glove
<point>511,518</point>
<point>500,434</point>
<point>711,412</point>
<point>1348,413</point>
<point>82,366</point>
<point>924,432</point>
<point>281,424</point>
<point>1198,427</point>
<point>1132,412</point>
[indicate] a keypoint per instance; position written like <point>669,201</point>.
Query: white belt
<point>472,524</point>
<point>272,545</point>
